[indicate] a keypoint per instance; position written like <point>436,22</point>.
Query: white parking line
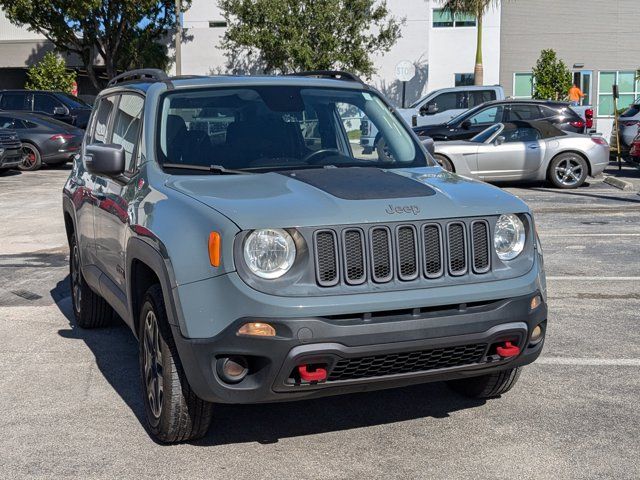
<point>622,362</point>
<point>606,279</point>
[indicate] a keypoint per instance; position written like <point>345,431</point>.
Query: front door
<point>112,213</point>
<point>516,153</point>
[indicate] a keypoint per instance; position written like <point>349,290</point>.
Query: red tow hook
<point>508,350</point>
<point>318,374</point>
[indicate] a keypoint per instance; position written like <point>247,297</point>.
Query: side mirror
<point>499,141</point>
<point>429,144</point>
<point>60,111</point>
<point>466,124</point>
<point>105,159</point>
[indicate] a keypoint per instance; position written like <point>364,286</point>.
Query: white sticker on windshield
<point>366,96</point>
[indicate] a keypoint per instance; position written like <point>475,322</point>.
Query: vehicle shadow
<point>116,353</point>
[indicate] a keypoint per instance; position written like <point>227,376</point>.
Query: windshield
<point>462,115</point>
<point>73,101</point>
<point>486,134</point>
<point>282,127</point>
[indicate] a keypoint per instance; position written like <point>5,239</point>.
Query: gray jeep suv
<point>260,255</point>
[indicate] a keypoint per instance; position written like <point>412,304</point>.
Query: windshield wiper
<point>219,169</point>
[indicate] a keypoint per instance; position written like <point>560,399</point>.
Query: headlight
<point>269,252</point>
<point>509,237</point>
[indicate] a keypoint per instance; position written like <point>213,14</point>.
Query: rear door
<point>520,155</point>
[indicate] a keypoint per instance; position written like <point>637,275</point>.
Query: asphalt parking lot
<point>71,404</point>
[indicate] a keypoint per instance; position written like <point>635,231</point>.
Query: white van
<point>436,107</point>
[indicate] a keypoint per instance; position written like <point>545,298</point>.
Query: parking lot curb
<point>618,183</point>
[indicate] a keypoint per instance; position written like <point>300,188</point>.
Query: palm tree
<point>477,8</point>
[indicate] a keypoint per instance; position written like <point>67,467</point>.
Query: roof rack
<point>333,74</point>
<point>144,74</point>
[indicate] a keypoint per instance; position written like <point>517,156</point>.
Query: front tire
<point>568,170</point>
<point>486,386</point>
<point>89,308</point>
<point>174,412</point>
<point>32,159</point>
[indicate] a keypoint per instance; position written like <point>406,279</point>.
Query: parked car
<point>59,105</point>
<point>519,150</point>
<point>474,121</point>
<point>10,150</point>
<point>44,139</point>
<point>634,151</point>
<point>273,262</point>
<point>628,122</point>
<point>436,108</point>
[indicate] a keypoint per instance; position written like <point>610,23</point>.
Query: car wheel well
<point>453,167</point>
<point>575,152</point>
<point>69,226</point>
<point>142,277</point>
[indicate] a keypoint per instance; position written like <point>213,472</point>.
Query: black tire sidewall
<point>554,163</point>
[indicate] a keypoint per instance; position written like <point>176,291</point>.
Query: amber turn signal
<point>535,302</point>
<point>257,329</point>
<point>214,249</point>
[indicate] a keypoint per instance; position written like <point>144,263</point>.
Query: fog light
<point>536,334</point>
<point>535,302</point>
<point>232,369</point>
<point>257,329</point>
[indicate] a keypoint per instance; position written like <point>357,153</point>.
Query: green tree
<point>551,77</point>
<point>295,35</point>
<point>477,8</point>
<point>50,73</point>
<point>104,30</point>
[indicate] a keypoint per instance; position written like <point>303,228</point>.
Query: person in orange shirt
<point>575,95</point>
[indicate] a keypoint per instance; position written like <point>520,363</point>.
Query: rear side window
<point>478,97</point>
<point>100,130</point>
<point>45,103</point>
<point>523,112</point>
<point>13,101</point>
<point>126,126</point>
<point>632,111</point>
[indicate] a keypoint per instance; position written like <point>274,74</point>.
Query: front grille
<point>407,362</point>
<point>407,252</point>
<point>9,141</point>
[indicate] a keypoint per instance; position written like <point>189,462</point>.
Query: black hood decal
<point>361,183</point>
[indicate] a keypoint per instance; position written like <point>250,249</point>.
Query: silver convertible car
<point>524,150</point>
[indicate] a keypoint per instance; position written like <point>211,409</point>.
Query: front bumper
<point>10,158</point>
<point>361,353</point>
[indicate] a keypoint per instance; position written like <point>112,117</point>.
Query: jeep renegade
<point>259,254</point>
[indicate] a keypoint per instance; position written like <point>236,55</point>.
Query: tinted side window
<point>548,112</point>
<point>100,133</point>
<point>478,97</point>
<point>521,134</point>
<point>524,112</point>
<point>6,122</point>
<point>450,101</point>
<point>45,103</point>
<point>126,126</point>
<point>488,115</point>
<point>13,101</point>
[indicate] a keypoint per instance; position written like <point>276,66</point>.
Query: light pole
<point>178,38</point>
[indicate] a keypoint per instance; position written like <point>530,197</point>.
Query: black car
<point>475,120</point>
<point>10,150</point>
<point>44,139</point>
<point>59,105</point>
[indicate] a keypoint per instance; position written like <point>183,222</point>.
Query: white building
<point>441,48</point>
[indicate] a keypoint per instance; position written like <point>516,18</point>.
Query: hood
<point>306,198</point>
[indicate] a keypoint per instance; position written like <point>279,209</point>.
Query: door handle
<point>533,147</point>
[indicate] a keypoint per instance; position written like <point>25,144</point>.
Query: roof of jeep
<point>239,81</point>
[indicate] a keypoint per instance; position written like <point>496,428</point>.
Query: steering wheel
<point>311,158</point>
